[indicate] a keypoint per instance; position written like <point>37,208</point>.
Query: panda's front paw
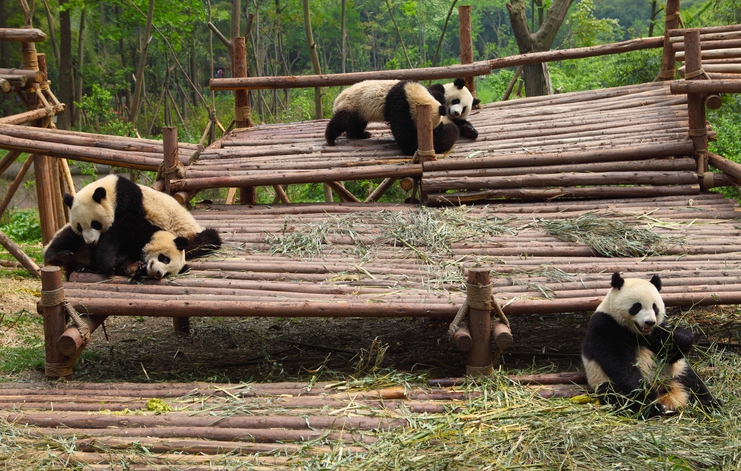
<point>60,258</point>
<point>135,269</point>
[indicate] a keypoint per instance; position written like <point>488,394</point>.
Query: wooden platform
<point>354,260</point>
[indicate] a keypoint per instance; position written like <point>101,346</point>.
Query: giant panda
<point>633,359</point>
<point>458,102</point>
<point>120,217</point>
<point>392,101</point>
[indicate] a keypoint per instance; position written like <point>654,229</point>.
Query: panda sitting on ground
<point>120,218</point>
<point>633,359</point>
<point>391,101</point>
<point>458,103</point>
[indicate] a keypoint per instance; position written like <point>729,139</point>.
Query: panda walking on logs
<point>633,359</point>
<point>394,102</point>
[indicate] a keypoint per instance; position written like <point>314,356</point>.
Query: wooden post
<point>464,24</point>
<point>73,340</point>
<point>671,21</point>
<point>181,325</point>
<point>52,310</point>
<point>242,118</point>
<point>171,159</point>
<point>478,296</point>
<point>695,101</point>
<point>425,141</point>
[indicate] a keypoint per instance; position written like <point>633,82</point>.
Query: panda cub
<point>118,219</point>
<point>391,101</point>
<point>633,359</point>
<point>458,102</point>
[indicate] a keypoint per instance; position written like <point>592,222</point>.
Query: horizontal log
<point>576,53</point>
<point>553,193</point>
<point>187,419</point>
<point>706,45</point>
<point>331,175</point>
<point>102,141</point>
<point>575,157</point>
<point>31,35</point>
<point>308,81</point>
<point>569,179</point>
<point>714,53</point>
<point>224,434</point>
<point>706,86</point>
<point>32,76</point>
<point>185,308</point>
<point>86,154</point>
<point>667,164</point>
<point>707,33</point>
<point>29,117</point>
<point>728,166</point>
<point>5,86</point>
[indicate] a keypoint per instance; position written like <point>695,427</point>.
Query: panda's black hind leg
<point>444,137</point>
<point>348,122</point>
<point>698,390</point>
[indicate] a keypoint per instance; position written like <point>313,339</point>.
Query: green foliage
<point>17,359</point>
<point>584,29</point>
<point>492,87</point>
<point>22,226</point>
<point>97,106</point>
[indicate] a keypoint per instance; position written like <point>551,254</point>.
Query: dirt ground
<point>282,349</point>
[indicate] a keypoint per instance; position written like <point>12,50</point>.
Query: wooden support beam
<point>706,86</point>
<point>52,310</point>
<point>478,296</point>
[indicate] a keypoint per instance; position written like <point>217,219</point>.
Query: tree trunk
<point>52,35</point>
<point>236,9</point>
<point>138,88</point>
<point>536,77</point>
<point>80,63</point>
<point>65,91</point>
<point>343,33</point>
<point>314,58</point>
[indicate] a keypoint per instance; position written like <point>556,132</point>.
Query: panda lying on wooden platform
<point>633,359</point>
<point>119,227</point>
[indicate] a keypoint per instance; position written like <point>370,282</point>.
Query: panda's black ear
<point>459,83</point>
<point>617,281</point>
<point>441,110</point>
<point>656,281</point>
<point>99,194</point>
<point>68,200</point>
<point>476,101</point>
<point>181,243</point>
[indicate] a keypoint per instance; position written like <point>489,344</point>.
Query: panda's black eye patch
<point>656,309</point>
<point>456,101</point>
<point>79,228</point>
<point>96,225</point>
<point>635,309</point>
<point>163,259</point>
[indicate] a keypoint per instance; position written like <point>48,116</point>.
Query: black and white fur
<point>458,102</point>
<point>634,359</point>
<point>118,218</point>
<point>391,101</point>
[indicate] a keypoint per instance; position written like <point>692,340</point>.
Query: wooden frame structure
<point>571,165</point>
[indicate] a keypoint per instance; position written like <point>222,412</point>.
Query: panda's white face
<point>164,254</point>
<point>458,100</point>
<point>92,209</point>
<point>636,304</point>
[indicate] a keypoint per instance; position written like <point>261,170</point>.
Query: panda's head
<point>164,254</point>
<point>635,303</point>
<point>92,210</point>
<point>458,100</point>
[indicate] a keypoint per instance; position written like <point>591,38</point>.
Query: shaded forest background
<point>103,43</point>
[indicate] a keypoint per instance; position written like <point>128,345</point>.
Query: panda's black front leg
<point>466,129</point>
